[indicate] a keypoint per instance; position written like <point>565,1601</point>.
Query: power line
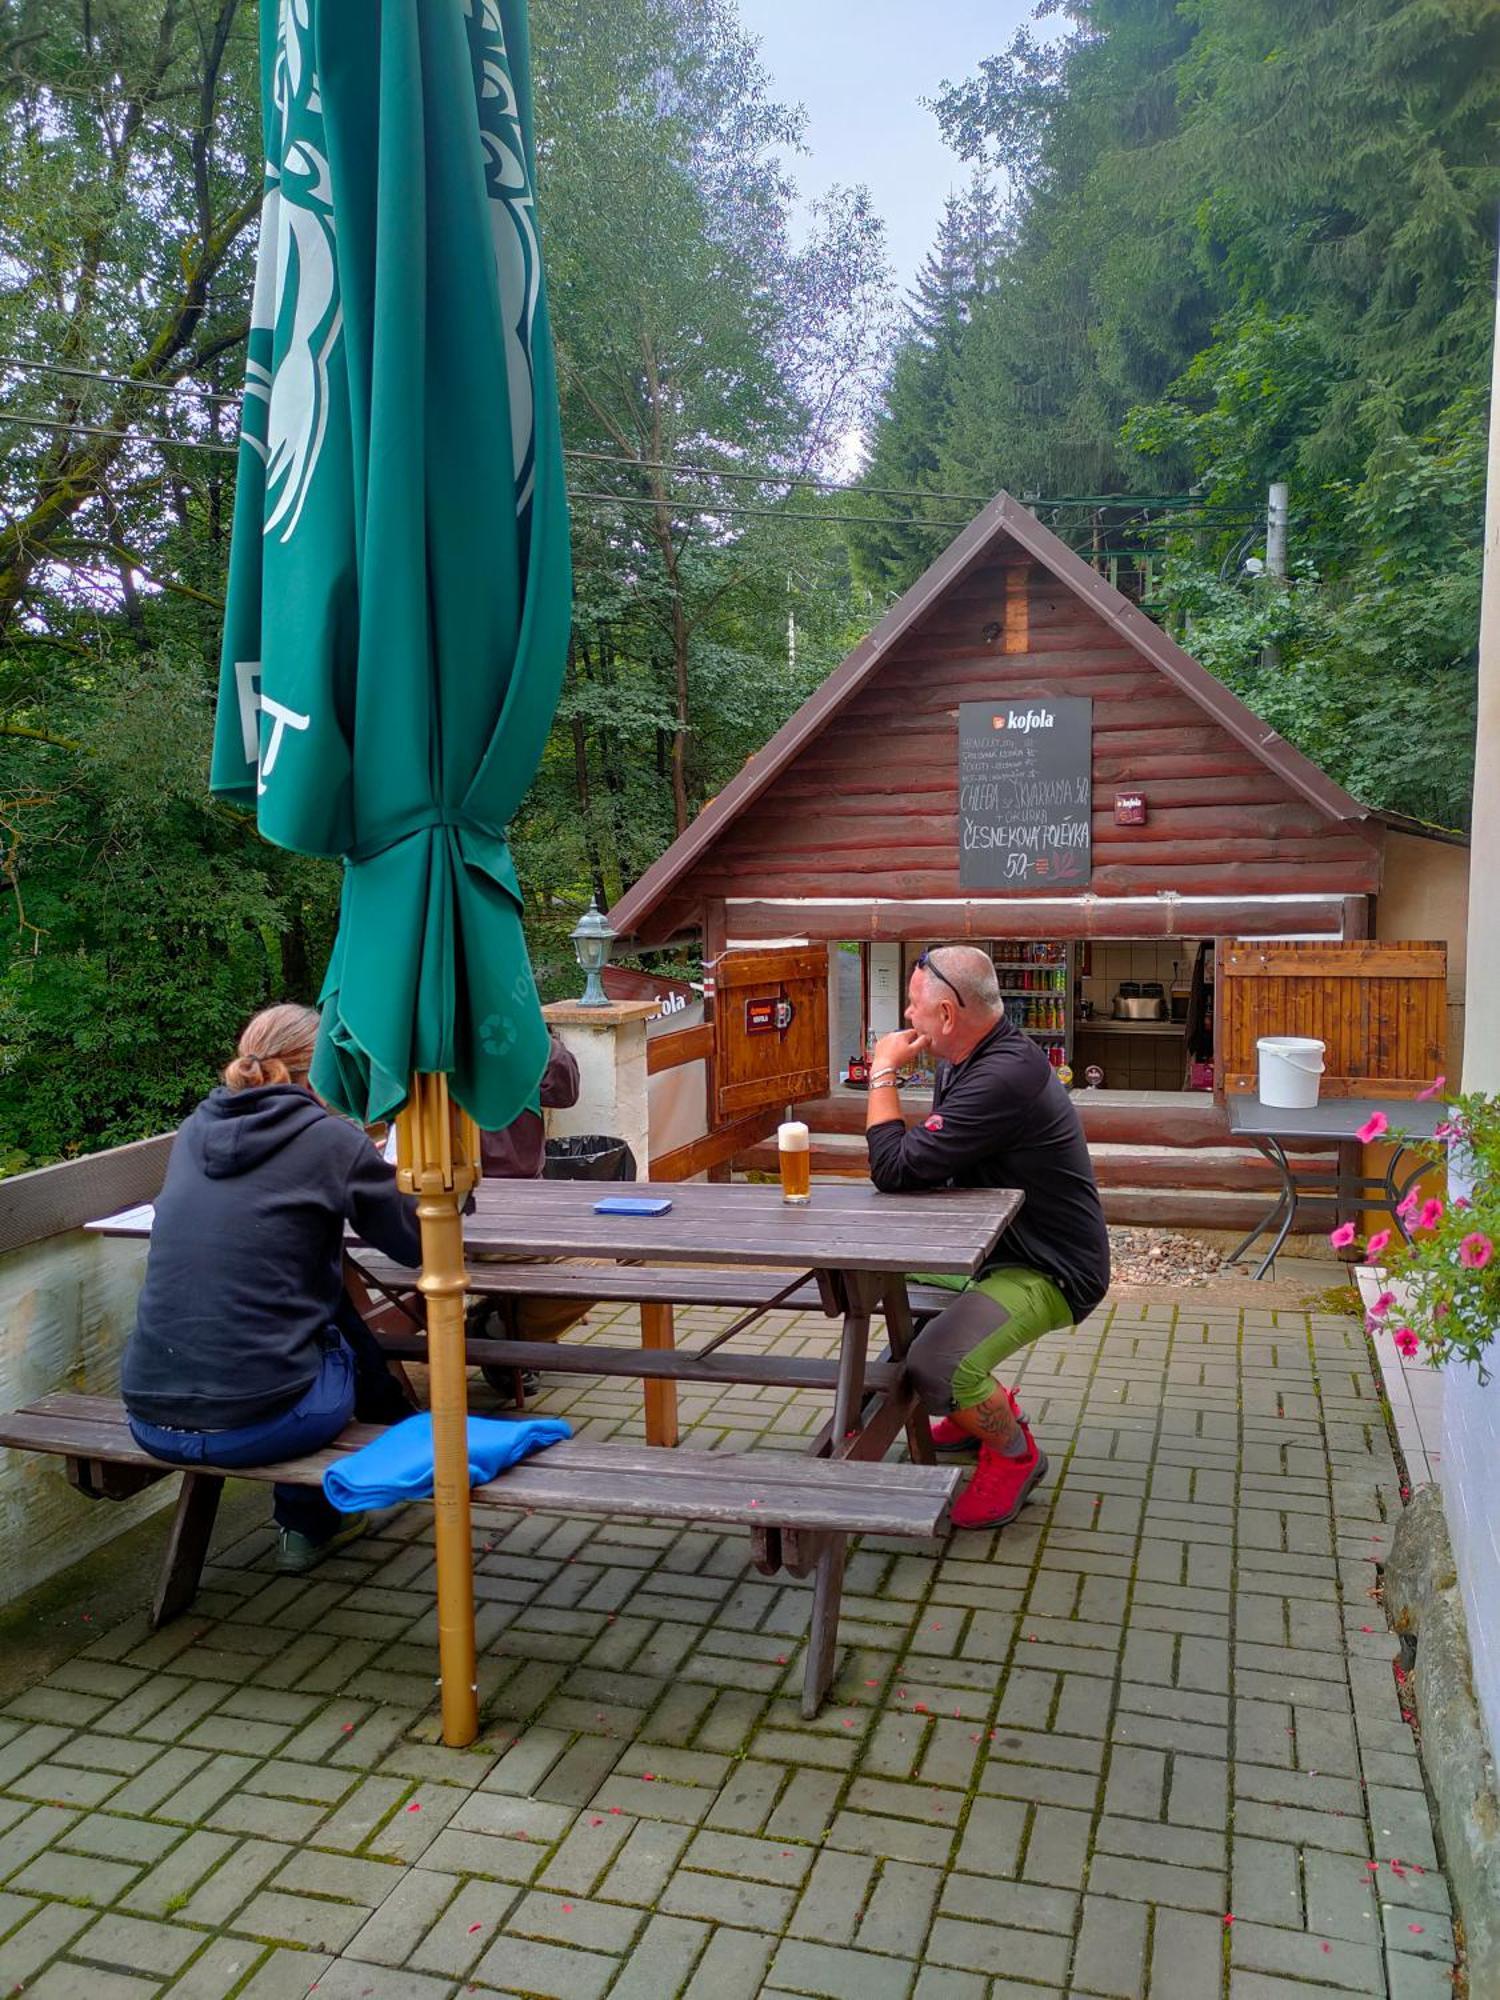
<point>673,503</point>
<point>120,381</point>
<point>120,437</point>
<point>1160,503</point>
<point>676,506</point>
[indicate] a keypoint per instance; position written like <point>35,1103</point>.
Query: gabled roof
<point>1003,520</point>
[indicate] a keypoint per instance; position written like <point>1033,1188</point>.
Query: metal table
<point>1336,1120</point>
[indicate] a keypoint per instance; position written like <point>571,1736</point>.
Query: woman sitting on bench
<point>246,1349</point>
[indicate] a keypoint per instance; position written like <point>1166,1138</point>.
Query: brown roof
<point>1003,519</point>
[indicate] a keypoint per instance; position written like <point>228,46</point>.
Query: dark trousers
<point>353,1380</point>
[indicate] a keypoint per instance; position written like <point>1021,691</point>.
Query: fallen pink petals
<point>1415,1929</point>
<point>475,1927</point>
<point>415,1806</point>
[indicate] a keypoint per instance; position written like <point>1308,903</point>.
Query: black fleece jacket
<point>244,1275</point>
<point>1000,1118</point>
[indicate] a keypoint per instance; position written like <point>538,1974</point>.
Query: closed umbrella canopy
<point>399,591</point>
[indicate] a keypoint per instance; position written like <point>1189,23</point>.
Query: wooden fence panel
<point>1381,1009</point>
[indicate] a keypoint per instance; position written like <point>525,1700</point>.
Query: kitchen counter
<point>1106,1025</point>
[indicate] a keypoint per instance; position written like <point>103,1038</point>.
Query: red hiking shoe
<point>1000,1487</point>
<point>950,1436</point>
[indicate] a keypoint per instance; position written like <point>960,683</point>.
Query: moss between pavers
<point>71,1610</point>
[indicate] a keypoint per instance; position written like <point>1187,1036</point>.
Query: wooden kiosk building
<point>1019,757</point>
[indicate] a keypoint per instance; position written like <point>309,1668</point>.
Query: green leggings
<point>953,1363</point>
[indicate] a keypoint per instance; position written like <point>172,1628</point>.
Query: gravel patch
<point>1161,1257</point>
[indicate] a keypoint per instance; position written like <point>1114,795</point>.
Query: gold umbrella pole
<point>437,1154</point>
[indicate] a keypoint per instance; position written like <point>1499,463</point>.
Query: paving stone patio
<point>1145,1743</point>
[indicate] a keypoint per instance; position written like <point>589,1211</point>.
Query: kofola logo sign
<point>1023,720</point>
<point>1025,794</point>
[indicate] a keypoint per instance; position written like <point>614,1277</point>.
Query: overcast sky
<point>860,68</point>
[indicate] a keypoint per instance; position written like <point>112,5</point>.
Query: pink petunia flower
<point>1475,1251</point>
<point>1407,1344</point>
<point>1377,1243</point>
<point>1374,1127</point>
<point>1342,1237</point>
<point>1407,1209</point>
<point>1432,1213</point>
<point>1382,1305</point>
<point>1434,1089</point>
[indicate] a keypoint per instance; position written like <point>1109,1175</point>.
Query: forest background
<point>1204,245</point>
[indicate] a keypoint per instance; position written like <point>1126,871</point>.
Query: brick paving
<point>1058,1760</point>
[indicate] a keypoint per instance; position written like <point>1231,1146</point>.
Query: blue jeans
<point>315,1419</point>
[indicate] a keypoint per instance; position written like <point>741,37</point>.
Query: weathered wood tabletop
<point>847,1226</point>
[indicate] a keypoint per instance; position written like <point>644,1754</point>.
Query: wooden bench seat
<point>799,1508</point>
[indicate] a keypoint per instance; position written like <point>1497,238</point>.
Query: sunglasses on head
<point>925,964</point>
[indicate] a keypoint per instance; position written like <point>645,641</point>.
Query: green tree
<point>143,923</point>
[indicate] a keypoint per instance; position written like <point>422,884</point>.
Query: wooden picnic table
<point>858,1246</point>
<point>853,1245</point>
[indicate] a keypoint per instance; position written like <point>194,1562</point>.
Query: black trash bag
<point>589,1156</point>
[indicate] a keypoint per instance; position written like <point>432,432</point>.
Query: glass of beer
<point>794,1151</point>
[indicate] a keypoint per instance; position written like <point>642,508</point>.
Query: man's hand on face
<point>896,1050</point>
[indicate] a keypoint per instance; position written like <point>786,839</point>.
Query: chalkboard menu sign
<point>1024,793</point>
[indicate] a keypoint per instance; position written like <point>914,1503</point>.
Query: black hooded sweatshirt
<point>245,1275</point>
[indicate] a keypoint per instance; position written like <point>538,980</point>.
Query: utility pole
<point>1276,517</point>
<point>1482,984</point>
<point>1277,509</point>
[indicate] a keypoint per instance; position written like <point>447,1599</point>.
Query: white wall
<point>66,1307</point>
<point>1470,1464</point>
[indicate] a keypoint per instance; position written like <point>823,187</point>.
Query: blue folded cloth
<point>398,1466</point>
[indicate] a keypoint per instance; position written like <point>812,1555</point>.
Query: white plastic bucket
<point>1290,1066</point>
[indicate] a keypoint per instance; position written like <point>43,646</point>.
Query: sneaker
<point>949,1436</point>
<point>999,1488</point>
<point>297,1553</point>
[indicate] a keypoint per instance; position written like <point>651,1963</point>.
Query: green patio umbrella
<point>399,592</point>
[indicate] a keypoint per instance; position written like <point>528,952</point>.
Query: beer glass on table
<point>794,1152</point>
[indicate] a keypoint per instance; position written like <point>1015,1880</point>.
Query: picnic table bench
<point>792,1503</point>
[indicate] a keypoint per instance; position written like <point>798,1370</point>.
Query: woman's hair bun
<point>276,1047</point>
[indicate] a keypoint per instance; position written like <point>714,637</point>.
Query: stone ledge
<point>1422,1597</point>
<point>573,1014</point>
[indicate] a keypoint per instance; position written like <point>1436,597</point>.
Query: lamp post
<point>592,938</point>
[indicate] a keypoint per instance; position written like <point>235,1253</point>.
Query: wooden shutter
<point>1381,1009</point>
<point>770,1029</point>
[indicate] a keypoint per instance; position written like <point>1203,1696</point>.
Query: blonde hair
<point>276,1047</point>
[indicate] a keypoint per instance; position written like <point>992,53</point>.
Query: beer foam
<point>793,1137</point>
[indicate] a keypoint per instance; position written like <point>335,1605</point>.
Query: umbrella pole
<point>437,1150</point>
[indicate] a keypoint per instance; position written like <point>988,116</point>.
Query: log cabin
<point>1018,756</point>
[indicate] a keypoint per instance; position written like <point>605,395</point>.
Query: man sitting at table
<point>1000,1119</point>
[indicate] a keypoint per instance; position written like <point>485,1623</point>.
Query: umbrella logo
<point>296,309</point>
<point>518,257</point>
<point>254,701</point>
